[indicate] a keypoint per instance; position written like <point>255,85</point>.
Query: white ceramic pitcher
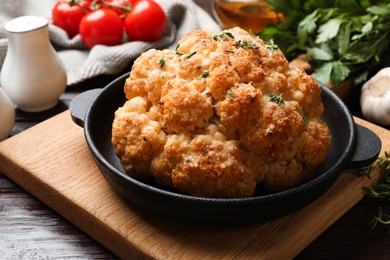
<point>7,115</point>
<point>33,75</point>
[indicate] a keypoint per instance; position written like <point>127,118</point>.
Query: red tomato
<point>102,26</point>
<point>121,7</point>
<point>145,22</point>
<point>132,2</point>
<point>67,15</point>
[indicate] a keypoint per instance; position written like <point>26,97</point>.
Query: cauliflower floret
<point>314,144</point>
<point>219,115</point>
<point>184,108</point>
<point>283,175</point>
<point>213,168</point>
<point>241,108</point>
<point>275,133</point>
<point>136,138</point>
<point>221,80</point>
<point>147,78</point>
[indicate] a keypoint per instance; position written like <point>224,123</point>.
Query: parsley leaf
<point>320,53</point>
<point>328,30</point>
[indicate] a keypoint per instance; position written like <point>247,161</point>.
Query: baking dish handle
<point>80,104</point>
<point>367,149</point>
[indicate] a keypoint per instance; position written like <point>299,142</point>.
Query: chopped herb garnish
<point>304,116</point>
<point>205,74</point>
<point>223,36</point>
<point>271,45</point>
<point>177,50</point>
<point>229,34</point>
<point>230,93</point>
<point>230,51</point>
<point>187,56</point>
<point>276,99</point>
<point>245,44</point>
<point>162,62</point>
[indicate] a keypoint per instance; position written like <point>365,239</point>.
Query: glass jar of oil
<point>251,15</point>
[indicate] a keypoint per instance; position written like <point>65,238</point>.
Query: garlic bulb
<point>375,98</point>
<point>7,115</point>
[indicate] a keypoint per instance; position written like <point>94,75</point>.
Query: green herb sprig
<point>384,162</point>
<point>380,218</point>
<point>245,45</point>
<point>271,45</point>
<point>223,36</point>
<point>381,191</point>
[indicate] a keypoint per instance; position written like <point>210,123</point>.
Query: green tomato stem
<point>126,7</point>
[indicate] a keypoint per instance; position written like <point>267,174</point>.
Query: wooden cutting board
<point>52,162</point>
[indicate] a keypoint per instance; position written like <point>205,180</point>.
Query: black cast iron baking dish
<point>353,146</point>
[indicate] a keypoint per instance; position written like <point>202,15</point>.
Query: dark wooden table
<point>31,230</point>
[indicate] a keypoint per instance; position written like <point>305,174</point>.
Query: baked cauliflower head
<point>219,116</point>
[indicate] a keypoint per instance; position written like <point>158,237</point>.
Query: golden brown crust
<point>219,115</point>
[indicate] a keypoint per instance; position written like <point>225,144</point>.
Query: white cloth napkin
<point>81,63</point>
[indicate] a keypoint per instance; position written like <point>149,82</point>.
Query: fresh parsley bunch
<point>343,38</point>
